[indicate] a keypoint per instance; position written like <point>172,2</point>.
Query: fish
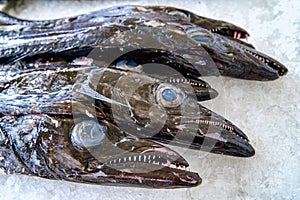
<point>107,125</point>
<point>88,98</point>
<point>228,55</point>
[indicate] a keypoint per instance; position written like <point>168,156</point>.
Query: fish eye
<point>130,65</point>
<point>201,36</point>
<point>169,95</point>
<point>87,133</point>
<point>178,14</point>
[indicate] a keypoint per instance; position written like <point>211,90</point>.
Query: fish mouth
<point>228,31</point>
<point>238,35</point>
<point>140,163</point>
<point>154,169</point>
<point>208,132</point>
<point>266,60</point>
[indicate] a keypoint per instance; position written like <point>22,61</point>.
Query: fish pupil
<point>169,94</point>
<point>178,16</point>
<point>200,38</point>
<point>132,63</point>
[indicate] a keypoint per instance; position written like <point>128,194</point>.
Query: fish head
<point>213,25</point>
<point>152,108</point>
<point>88,150</point>
<point>236,59</point>
<point>225,43</point>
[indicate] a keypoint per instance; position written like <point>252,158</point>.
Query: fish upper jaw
<point>205,131</point>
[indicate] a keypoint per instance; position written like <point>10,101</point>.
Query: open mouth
<point>237,37</point>
<point>231,33</point>
<point>270,62</point>
<point>153,170</point>
<point>206,131</point>
<point>153,167</point>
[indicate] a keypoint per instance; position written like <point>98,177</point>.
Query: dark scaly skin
<point>232,57</point>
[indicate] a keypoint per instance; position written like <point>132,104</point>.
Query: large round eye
<point>88,133</point>
<point>169,95</point>
<point>130,65</point>
<point>200,35</point>
<point>178,14</point>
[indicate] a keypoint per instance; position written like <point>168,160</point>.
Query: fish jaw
<point>163,178</point>
<point>206,131</point>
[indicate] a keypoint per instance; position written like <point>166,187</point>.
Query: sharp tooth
<point>145,158</point>
<point>134,158</point>
<point>140,158</point>
<point>129,158</point>
<point>124,159</point>
<point>119,160</point>
<point>234,34</point>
